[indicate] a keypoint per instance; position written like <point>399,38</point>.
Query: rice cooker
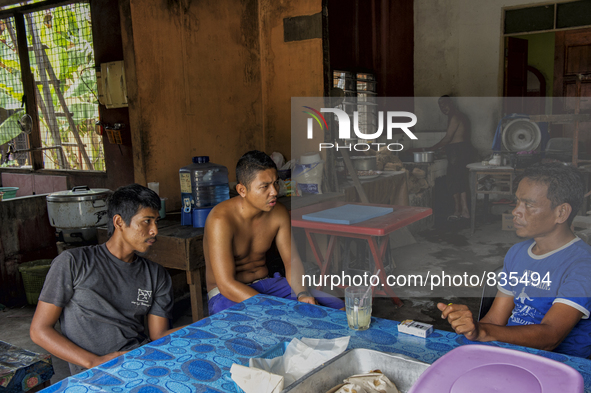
<point>76,214</point>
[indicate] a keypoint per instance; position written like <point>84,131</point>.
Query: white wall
<point>458,46</point>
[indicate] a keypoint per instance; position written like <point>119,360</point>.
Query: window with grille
<point>61,60</point>
<point>548,17</point>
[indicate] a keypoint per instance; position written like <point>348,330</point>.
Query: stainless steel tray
<point>400,369</point>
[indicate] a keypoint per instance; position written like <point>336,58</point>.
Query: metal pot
<point>424,156</point>
<point>78,236</point>
<point>81,207</point>
<point>364,163</point>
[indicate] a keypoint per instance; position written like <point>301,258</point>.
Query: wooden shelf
<point>566,118</point>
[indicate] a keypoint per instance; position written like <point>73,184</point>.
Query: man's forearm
<point>534,336</point>
<point>237,291</point>
<point>294,277</point>
<point>169,331</point>
<point>60,346</point>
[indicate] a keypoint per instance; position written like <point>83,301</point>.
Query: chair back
<point>488,295</point>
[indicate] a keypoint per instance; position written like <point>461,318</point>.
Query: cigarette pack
<point>415,328</point>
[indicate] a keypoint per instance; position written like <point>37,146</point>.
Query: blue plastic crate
<point>273,352</point>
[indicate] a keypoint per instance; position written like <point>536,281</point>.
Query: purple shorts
<point>274,286</point>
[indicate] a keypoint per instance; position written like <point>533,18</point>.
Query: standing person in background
<point>458,149</point>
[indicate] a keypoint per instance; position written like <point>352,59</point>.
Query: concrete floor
<point>449,248</point>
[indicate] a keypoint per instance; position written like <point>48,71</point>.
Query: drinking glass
<point>358,307</point>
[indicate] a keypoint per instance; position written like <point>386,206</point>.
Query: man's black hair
<point>565,184</point>
<point>127,201</point>
<point>445,98</point>
<point>250,163</point>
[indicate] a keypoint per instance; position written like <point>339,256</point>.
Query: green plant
<point>62,62</point>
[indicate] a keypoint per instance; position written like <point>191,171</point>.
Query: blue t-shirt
<point>538,281</point>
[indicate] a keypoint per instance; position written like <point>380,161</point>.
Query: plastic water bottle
<point>203,185</point>
<point>187,203</point>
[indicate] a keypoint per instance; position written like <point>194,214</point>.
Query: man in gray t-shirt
<point>100,294</point>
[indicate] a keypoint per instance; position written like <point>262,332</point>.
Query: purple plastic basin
<point>487,369</point>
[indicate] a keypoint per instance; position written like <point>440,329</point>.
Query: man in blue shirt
<point>544,292</point>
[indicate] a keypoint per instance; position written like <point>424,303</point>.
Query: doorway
<point>529,71</point>
<point>572,79</point>
<point>562,61</point>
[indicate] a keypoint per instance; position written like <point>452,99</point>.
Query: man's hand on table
<point>461,319</point>
<point>311,300</point>
<point>307,299</point>
<point>105,358</point>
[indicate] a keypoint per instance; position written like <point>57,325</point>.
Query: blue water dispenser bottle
<point>203,185</point>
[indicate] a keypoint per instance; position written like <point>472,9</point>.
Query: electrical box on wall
<point>112,88</point>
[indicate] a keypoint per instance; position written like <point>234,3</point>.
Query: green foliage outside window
<point>60,46</point>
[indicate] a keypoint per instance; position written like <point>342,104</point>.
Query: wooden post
<point>29,90</point>
<point>194,281</point>
<point>576,130</point>
<point>353,172</point>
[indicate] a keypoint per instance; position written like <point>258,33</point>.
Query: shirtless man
<point>459,151</point>
<point>238,233</point>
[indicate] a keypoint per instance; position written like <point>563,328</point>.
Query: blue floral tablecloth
<point>198,358</point>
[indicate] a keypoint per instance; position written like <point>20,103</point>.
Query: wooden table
<point>178,247</point>
<point>481,176</point>
<point>375,231</point>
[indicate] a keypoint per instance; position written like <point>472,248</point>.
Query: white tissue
<point>302,357</point>
<point>253,380</point>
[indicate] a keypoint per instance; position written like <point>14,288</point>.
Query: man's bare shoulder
<point>226,206</point>
<point>280,213</point>
<point>456,118</point>
<point>222,214</point>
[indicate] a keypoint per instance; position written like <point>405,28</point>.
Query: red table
<point>375,231</point>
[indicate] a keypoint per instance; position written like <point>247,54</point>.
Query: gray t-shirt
<point>105,299</point>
